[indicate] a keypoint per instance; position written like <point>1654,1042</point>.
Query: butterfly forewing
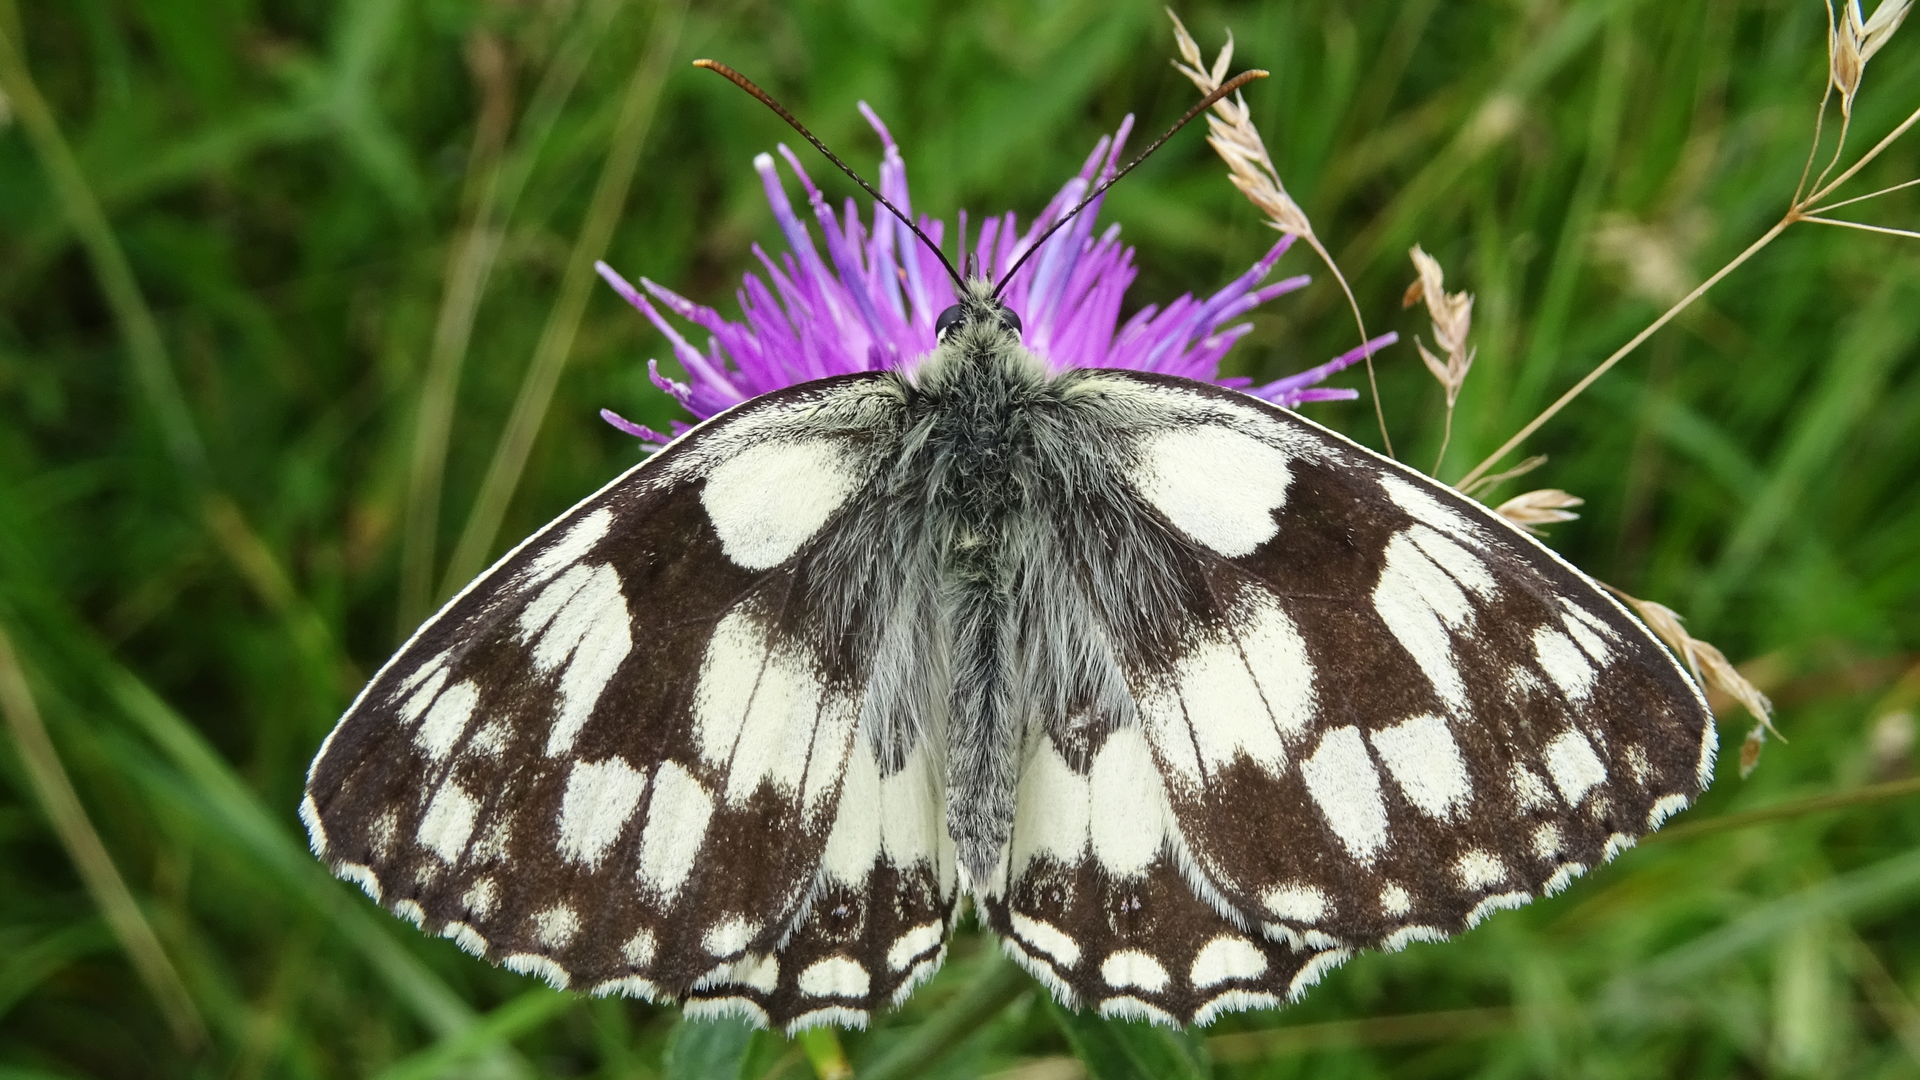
<point>1402,712</point>
<point>617,759</point>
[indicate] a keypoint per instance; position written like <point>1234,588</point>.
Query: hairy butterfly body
<point>1191,696</point>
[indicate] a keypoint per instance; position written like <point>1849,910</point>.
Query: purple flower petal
<point>870,303</point>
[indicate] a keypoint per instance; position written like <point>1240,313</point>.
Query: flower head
<point>870,301</point>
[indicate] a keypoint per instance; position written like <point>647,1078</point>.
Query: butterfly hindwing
<point>1101,908</point>
<point>617,759</point>
<point>1394,712</point>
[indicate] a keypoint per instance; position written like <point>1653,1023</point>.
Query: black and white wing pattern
<point>1379,713</point>
<point>625,758</point>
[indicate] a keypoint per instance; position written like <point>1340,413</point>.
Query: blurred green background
<point>295,332</point>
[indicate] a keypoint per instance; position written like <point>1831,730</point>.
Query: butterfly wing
<point>1377,713</point>
<point>625,757</point>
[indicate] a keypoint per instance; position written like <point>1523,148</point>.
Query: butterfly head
<point>978,315</point>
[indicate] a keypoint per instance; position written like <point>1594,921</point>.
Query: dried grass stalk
<point>1231,133</point>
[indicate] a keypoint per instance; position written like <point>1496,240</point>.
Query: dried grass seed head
<point>1547,506</point>
<point>1231,133</point>
<point>1855,39</point>
<point>1452,316</point>
<point>1709,665</point>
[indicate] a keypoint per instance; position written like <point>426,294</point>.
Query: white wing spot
<point>1228,956</point>
<point>1479,869</point>
<point>1426,509</point>
<point>853,847</point>
<point>1131,967</point>
<point>760,972</point>
<point>1225,715</point>
<point>1215,484</point>
<point>1426,763</point>
<point>1129,818</point>
<point>416,704</point>
<point>448,822</point>
<point>1575,768</point>
<point>760,709</point>
<point>836,976</point>
<point>729,936</point>
<point>434,667</point>
<point>1298,903</point>
<point>581,620</point>
<point>570,548</point>
<point>490,741</point>
<point>1246,690</point>
<point>1590,643</point>
<point>1547,841</point>
<point>1616,844</point>
<point>600,797</point>
<point>1529,790</point>
<point>676,828</point>
<point>1637,765</point>
<point>1395,901</point>
<point>1052,809</point>
<point>447,720</point>
<point>1563,662</point>
<point>1343,783</point>
<point>1048,938</point>
<point>481,898</point>
<point>384,831</point>
<point>1277,655</point>
<point>914,943</point>
<point>768,500</point>
<point>411,911</point>
<point>1465,567</point>
<point>638,950</point>
<point>1422,605</point>
<point>556,926</point>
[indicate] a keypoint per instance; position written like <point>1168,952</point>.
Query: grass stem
<point>563,322</point>
<point>1619,354</point>
<point>97,871</point>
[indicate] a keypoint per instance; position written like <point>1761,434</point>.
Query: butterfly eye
<point>947,320</point>
<point>1010,321</point>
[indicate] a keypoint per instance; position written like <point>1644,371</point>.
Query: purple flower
<point>871,300</point>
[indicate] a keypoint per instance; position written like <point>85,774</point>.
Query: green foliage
<point>227,233</point>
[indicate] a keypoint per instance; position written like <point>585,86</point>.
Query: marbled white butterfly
<point>1191,696</point>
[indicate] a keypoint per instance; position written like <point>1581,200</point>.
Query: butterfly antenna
<point>1206,103</point>
<point>766,99</point>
